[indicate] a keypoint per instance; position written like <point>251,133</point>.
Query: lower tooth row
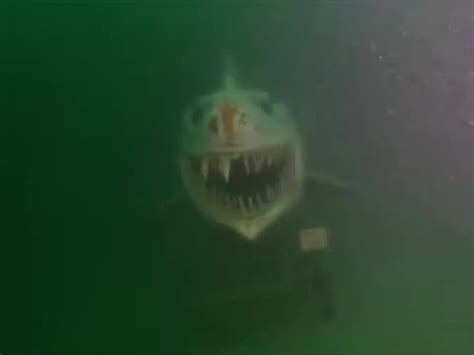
<point>240,202</point>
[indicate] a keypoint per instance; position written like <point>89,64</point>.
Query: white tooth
<point>259,201</point>
<point>224,167</point>
<point>246,163</point>
<point>258,161</point>
<point>269,159</point>
<point>241,203</point>
<point>204,167</point>
<point>251,205</point>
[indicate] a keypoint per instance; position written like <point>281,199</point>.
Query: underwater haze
<point>383,92</point>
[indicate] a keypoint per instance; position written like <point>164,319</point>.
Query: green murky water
<point>383,92</point>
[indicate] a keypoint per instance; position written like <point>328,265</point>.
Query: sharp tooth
<point>227,199</point>
<point>258,161</point>
<point>204,167</point>
<point>269,159</point>
<point>241,203</point>
<point>224,166</point>
<point>251,205</point>
<point>258,201</point>
<point>246,163</point>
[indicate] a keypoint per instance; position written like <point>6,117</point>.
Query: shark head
<point>241,158</point>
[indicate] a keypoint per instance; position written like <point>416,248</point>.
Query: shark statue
<point>241,157</point>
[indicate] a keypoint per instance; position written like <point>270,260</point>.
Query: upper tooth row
<point>223,163</point>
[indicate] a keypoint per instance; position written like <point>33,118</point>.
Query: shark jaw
<point>246,190</point>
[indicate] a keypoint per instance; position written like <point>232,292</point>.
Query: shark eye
<point>197,112</point>
<point>243,119</point>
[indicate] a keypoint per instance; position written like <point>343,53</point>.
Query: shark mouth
<point>243,183</point>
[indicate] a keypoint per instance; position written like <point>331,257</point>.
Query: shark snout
<point>226,125</point>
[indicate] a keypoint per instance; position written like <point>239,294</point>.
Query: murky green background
<point>384,93</point>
